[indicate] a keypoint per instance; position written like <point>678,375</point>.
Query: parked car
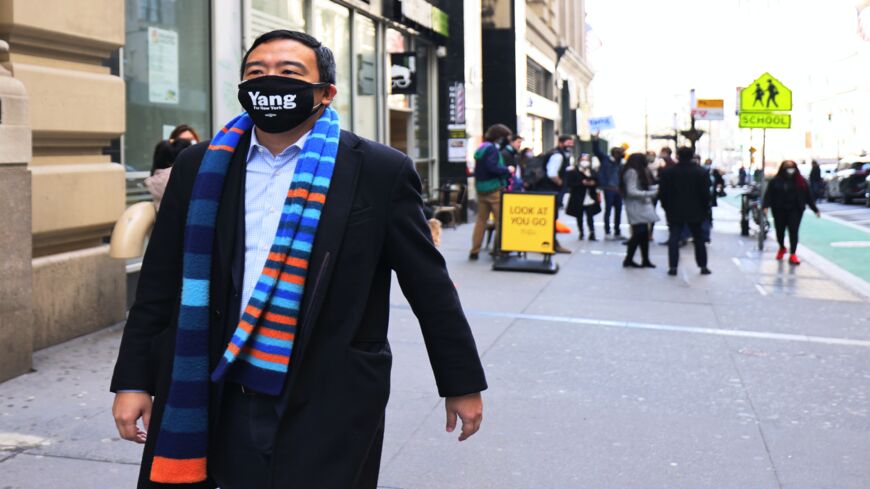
<point>828,171</point>
<point>850,180</point>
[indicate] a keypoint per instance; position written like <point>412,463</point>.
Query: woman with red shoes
<point>787,195</point>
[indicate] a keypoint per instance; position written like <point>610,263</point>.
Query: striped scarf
<point>258,356</point>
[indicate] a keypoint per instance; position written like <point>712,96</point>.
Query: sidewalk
<point>840,242</point>
<point>600,377</point>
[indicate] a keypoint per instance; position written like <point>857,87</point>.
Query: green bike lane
<point>844,245</point>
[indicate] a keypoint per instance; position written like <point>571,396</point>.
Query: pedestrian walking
<point>608,179</point>
<point>741,176</point>
<point>490,178</point>
<point>787,196</point>
<point>684,192</point>
<point>817,185</point>
<point>583,200</point>
<point>638,193</point>
<point>260,324</point>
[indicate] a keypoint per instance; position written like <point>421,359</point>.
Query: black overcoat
<point>684,191</point>
<point>332,421</point>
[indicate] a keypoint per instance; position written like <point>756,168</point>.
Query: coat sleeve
<point>422,274</point>
<point>809,198</point>
<point>632,188</point>
<point>490,159</point>
<point>665,189</point>
<point>768,195</point>
<point>598,152</point>
<point>157,292</point>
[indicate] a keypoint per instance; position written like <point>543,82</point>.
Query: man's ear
<point>329,95</point>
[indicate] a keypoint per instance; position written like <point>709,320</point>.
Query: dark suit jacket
<point>336,393</point>
<point>684,191</point>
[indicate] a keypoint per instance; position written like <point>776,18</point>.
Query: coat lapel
<point>232,200</point>
<point>330,231</point>
<point>327,243</point>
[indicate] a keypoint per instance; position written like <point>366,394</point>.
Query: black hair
<point>565,137</point>
<point>496,133</point>
<point>638,163</point>
<point>325,58</point>
<point>165,153</point>
<point>685,154</point>
<point>515,137</point>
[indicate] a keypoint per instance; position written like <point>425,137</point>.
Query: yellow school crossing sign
<point>763,102</point>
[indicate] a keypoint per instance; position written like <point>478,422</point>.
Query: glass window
<point>410,113</point>
<point>365,122</point>
<point>268,15</point>
<point>291,13</point>
<point>167,73</point>
<point>331,24</point>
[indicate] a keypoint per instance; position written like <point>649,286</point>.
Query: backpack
<point>535,170</point>
<point>535,173</point>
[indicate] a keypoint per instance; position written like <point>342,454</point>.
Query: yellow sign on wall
<point>528,222</point>
<point>765,94</point>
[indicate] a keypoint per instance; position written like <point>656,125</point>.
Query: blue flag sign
<point>601,124</point>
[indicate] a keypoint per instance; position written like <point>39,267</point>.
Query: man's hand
<point>127,409</point>
<point>469,408</point>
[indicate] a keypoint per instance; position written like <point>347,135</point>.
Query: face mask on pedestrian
<point>790,171</point>
<point>585,164</point>
<point>278,103</point>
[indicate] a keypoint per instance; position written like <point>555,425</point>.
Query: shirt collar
<point>255,144</point>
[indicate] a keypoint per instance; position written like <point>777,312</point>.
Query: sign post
<point>528,225</point>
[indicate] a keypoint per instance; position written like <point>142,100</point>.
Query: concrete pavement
<point>600,377</point>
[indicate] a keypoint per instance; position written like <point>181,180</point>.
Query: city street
<point>600,377</point>
<point>853,213</point>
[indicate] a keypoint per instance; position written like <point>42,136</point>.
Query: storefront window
<point>331,25</point>
<point>277,14</point>
<point>365,122</point>
<point>166,70</point>
<point>409,101</point>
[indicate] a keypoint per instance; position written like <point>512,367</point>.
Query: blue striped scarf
<point>258,356</point>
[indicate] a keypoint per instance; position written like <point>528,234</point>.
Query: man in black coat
<point>325,429</point>
<point>684,191</point>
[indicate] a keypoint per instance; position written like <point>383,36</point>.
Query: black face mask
<point>277,103</point>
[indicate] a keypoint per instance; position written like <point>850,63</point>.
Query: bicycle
<point>751,212</point>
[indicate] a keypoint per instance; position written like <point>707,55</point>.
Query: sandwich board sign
<point>528,225</point>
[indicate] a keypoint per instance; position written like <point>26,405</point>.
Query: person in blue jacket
<point>608,181</point>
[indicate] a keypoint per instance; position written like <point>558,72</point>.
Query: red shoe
<point>780,254</point>
<point>794,260</point>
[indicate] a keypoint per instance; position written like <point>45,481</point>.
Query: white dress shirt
<point>267,181</point>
